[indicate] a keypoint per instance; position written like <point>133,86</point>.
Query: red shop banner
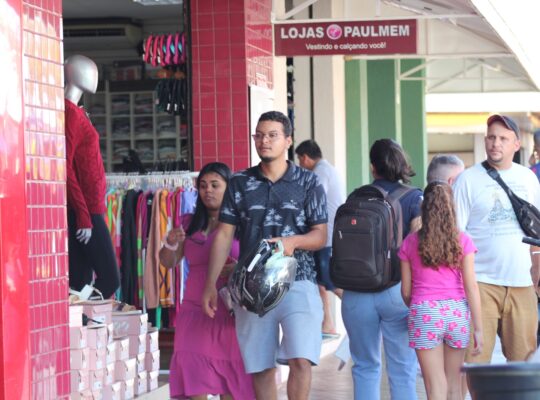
<point>333,38</point>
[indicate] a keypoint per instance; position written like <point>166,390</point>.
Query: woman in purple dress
<point>206,358</point>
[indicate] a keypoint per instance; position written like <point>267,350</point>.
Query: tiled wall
<point>14,296</point>
<point>231,48</point>
<point>46,197</point>
<point>259,50</point>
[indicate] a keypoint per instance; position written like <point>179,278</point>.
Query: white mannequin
<point>81,75</point>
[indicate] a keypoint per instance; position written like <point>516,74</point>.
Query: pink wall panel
<point>14,289</point>
<point>46,198</point>
<point>231,49</point>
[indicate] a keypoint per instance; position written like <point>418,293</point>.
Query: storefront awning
<point>468,46</point>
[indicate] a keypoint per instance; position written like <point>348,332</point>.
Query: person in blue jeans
<point>375,316</point>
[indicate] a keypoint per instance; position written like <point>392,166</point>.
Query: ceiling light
<point>158,2</point>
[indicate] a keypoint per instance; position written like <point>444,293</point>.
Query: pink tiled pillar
<point>231,49</point>
<point>14,290</point>
<point>46,198</point>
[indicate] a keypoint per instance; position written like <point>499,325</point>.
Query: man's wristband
<point>168,246</point>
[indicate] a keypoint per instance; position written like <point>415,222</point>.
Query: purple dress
<point>206,356</point>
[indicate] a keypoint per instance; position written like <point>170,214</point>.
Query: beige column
<point>327,124</point>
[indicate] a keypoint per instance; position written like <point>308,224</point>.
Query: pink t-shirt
<point>444,283</point>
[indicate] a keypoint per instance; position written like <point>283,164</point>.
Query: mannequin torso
<point>85,172</point>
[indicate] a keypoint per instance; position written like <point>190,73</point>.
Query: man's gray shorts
<point>300,315</point>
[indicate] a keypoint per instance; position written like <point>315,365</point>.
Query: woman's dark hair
<point>438,238</point>
<point>390,161</point>
<point>199,222</point>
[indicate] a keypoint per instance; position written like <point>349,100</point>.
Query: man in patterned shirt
<point>279,201</point>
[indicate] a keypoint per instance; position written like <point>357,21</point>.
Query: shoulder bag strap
<point>514,199</point>
<point>492,172</point>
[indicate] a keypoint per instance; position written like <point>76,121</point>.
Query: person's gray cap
<point>506,121</point>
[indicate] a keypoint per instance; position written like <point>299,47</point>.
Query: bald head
<point>444,168</point>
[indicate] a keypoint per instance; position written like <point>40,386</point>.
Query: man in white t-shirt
<point>310,157</point>
<point>508,285</point>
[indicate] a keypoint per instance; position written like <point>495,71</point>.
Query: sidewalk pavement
<point>330,384</point>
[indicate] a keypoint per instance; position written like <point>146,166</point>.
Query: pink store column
<point>231,49</point>
<point>45,198</point>
<point>34,342</point>
<point>14,294</point>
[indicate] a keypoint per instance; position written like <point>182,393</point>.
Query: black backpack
<point>366,238</point>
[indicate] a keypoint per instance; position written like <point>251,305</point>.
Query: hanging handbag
<point>527,214</point>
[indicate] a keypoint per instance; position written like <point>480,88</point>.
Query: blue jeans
<point>322,266</point>
<point>366,316</point>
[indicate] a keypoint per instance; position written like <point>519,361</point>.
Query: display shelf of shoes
<point>130,120</point>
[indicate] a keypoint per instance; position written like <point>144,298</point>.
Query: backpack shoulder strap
<point>377,188</point>
<point>401,191</point>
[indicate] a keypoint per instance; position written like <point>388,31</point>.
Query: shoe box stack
<point>110,359</point>
<point>133,327</point>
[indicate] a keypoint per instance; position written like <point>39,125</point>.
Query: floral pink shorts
<point>434,321</point>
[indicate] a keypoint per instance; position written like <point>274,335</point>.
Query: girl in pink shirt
<point>439,286</point>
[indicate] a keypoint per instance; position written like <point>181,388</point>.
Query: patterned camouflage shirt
<point>261,209</point>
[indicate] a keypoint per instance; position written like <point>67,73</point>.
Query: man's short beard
<point>498,161</point>
<point>267,160</point>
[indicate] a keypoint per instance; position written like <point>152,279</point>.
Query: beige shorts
<point>511,313</point>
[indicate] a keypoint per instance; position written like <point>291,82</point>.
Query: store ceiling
<point>94,9</point>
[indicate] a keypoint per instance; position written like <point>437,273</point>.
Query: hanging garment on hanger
<point>128,266</point>
<point>189,201</point>
<point>147,55</point>
<point>177,50</point>
<point>152,264</point>
<point>139,215</point>
<point>168,50</point>
<point>166,288</point>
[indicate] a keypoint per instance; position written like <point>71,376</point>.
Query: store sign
<point>332,38</point>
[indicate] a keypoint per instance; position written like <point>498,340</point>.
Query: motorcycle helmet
<point>262,277</point>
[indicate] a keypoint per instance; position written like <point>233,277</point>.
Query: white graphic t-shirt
<point>486,214</point>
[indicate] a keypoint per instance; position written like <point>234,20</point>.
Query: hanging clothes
<point>128,258</point>
<point>140,212</point>
<point>152,265</point>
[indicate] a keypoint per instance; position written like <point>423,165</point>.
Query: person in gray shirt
<point>310,157</point>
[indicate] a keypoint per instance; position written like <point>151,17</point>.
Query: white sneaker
<point>87,293</point>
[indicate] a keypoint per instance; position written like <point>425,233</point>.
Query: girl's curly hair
<point>438,239</point>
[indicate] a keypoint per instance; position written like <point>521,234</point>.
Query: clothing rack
<point>141,208</point>
<point>151,180</point>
